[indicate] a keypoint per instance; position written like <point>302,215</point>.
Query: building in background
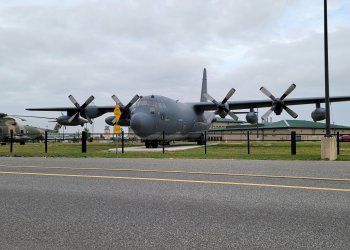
<point>281,130</point>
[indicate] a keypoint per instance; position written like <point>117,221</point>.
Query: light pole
<point>328,122</point>
<point>328,143</point>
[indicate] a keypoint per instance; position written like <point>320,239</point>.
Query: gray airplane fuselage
<point>151,115</point>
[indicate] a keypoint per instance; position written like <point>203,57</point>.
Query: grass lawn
<point>258,151</point>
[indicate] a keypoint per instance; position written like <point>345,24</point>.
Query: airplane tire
<point>21,142</point>
<point>154,144</point>
<point>148,144</point>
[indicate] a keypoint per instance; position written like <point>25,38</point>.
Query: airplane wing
<point>91,111</point>
<point>236,105</point>
<point>72,110</point>
<point>101,108</point>
<point>53,109</point>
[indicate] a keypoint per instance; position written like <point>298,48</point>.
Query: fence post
<point>122,142</point>
<point>116,142</point>
<point>83,142</point>
<point>338,144</point>
<point>205,142</point>
<point>45,141</point>
<point>248,142</point>
<point>163,142</point>
<point>11,141</point>
<point>293,141</point>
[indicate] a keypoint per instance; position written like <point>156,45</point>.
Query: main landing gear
<point>151,144</point>
<point>201,140</point>
<point>155,143</point>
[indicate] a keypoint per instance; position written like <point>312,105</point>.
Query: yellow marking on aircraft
<point>188,172</point>
<point>178,181</point>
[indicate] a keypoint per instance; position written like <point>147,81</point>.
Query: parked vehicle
<point>344,138</point>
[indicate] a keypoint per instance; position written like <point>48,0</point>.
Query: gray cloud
<point>51,49</point>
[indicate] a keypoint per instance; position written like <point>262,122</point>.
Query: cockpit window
<point>150,103</point>
<point>141,103</point>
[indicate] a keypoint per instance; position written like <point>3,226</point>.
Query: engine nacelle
<point>122,122</point>
<point>64,120</point>
<point>251,118</point>
<point>109,120</point>
<point>318,114</point>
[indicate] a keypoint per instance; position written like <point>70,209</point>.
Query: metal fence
<point>120,141</point>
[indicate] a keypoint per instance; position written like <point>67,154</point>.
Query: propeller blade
<point>266,115</point>
<point>210,98</point>
<point>133,100</point>
<point>89,119</point>
<point>57,127</point>
<point>233,115</point>
<point>228,96</point>
<point>290,112</point>
<point>72,99</point>
<point>72,117</point>
<point>288,91</point>
<point>116,99</point>
<point>268,93</point>
<point>87,102</point>
<point>114,121</point>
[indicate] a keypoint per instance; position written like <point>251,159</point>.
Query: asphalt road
<point>59,203</point>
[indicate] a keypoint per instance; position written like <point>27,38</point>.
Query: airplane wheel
<point>21,143</point>
<point>154,144</point>
<point>148,144</point>
<point>201,140</point>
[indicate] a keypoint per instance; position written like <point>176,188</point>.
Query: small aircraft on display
<point>21,133</point>
<point>150,116</point>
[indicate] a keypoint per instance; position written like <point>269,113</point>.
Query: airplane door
<point>180,124</point>
<point>161,115</point>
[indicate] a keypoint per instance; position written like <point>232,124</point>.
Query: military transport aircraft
<point>21,133</point>
<point>150,116</point>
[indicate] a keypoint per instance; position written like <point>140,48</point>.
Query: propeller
<point>126,109</point>
<point>81,110</point>
<point>278,103</point>
<point>222,107</point>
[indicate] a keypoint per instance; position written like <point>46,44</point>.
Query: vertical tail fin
<point>204,86</point>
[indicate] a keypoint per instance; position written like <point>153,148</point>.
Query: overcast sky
<point>50,49</point>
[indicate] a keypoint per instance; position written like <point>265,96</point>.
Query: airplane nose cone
<point>142,124</point>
